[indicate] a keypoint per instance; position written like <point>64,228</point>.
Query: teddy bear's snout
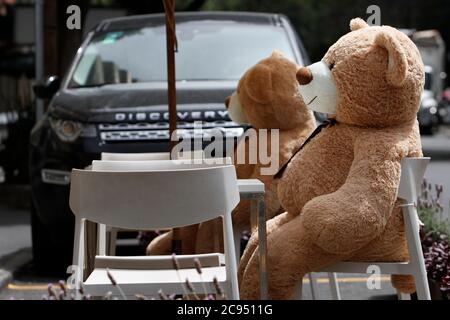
<point>304,76</point>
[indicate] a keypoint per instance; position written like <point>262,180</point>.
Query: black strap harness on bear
<point>323,125</point>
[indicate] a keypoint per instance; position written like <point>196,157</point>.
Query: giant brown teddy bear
<point>339,191</point>
<point>267,98</point>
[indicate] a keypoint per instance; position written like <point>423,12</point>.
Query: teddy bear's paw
<point>403,283</point>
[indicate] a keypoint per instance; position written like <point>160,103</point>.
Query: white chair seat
<point>159,262</point>
<point>149,281</point>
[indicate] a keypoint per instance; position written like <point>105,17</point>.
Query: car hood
<point>88,104</point>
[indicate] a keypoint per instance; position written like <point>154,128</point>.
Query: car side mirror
<point>48,88</point>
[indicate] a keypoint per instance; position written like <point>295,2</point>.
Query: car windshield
<point>207,50</point>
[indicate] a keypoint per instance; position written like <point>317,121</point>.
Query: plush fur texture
<point>340,190</point>
<point>269,99</point>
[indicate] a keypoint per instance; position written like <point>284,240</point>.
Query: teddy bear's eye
<point>331,66</point>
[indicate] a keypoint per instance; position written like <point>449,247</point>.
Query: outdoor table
<point>249,189</point>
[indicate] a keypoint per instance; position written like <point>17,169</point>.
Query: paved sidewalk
<point>11,263</point>
<point>15,231</point>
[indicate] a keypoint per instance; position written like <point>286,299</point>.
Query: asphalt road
<point>438,172</point>
<point>15,236</point>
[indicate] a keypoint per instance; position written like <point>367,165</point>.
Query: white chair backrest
<point>413,171</point>
<point>147,156</point>
<point>154,199</point>
<point>135,156</point>
<point>158,164</point>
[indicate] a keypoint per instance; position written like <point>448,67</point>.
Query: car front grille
<point>144,131</point>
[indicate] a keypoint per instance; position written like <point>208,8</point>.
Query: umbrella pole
<point>169,7</point>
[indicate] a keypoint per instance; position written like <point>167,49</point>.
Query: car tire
<point>46,259</point>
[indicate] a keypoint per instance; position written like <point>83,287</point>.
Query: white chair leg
<point>313,285</point>
<point>415,251</point>
<point>231,261</point>
<point>299,290</point>
<point>101,239</point>
<point>334,286</point>
<point>422,288</point>
<point>403,296</point>
<point>237,234</point>
<point>112,241</point>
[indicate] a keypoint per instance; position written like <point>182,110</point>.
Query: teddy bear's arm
<point>348,219</point>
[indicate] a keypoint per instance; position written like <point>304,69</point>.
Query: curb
<point>11,263</point>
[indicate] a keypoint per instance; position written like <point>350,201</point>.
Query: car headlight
<point>66,130</point>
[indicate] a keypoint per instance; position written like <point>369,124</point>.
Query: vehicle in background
<point>444,110</point>
<point>16,112</point>
<point>432,49</point>
<point>428,115</point>
<point>114,99</point>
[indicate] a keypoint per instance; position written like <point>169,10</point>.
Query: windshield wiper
<point>95,85</point>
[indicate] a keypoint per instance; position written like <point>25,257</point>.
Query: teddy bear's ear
<point>358,23</point>
<point>398,63</point>
<point>258,84</point>
<point>276,54</point>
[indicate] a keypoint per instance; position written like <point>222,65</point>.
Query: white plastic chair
<point>412,173</point>
<point>157,199</point>
<point>248,189</point>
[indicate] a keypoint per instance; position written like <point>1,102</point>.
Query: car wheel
<point>47,258</point>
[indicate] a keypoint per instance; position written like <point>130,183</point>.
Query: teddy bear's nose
<point>304,76</point>
<point>227,102</point>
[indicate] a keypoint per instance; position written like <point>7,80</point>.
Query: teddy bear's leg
<point>162,245</point>
<point>210,233</point>
<point>252,244</point>
<point>403,283</point>
<point>291,255</point>
<point>390,246</point>
<point>209,237</point>
<point>241,215</point>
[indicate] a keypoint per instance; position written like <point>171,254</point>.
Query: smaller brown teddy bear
<point>266,98</point>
